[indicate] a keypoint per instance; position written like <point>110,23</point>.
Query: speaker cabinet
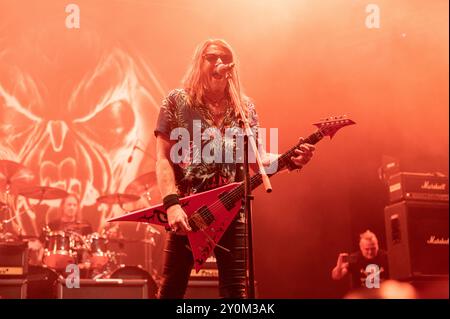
<point>417,239</point>
<point>13,260</point>
<point>105,289</point>
<point>13,288</point>
<point>199,288</point>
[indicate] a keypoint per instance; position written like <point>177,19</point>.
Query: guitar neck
<point>283,160</point>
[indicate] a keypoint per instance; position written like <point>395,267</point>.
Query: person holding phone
<point>368,260</point>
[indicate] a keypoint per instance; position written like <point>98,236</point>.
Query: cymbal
<point>117,198</point>
<point>145,186</point>
<point>43,192</point>
<point>142,184</point>
<point>14,176</point>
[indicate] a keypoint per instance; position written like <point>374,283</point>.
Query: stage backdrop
<point>76,95</point>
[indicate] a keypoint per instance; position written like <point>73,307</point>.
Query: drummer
<point>69,220</point>
<point>69,217</point>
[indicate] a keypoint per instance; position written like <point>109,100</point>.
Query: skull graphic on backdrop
<point>71,110</point>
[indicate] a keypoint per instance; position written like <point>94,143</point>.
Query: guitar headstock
<point>329,126</point>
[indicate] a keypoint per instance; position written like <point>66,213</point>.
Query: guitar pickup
<point>201,219</point>
<point>207,216</point>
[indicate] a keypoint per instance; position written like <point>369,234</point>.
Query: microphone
<point>223,68</point>
<point>130,158</point>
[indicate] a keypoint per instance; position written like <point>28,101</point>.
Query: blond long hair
<point>194,83</point>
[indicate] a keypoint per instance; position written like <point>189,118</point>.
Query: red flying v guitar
<point>210,221</point>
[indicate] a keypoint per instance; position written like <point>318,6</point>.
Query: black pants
<point>178,263</point>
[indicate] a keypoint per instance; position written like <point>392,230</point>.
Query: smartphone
<point>351,259</point>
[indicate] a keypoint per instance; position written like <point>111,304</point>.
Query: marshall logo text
<point>437,241</point>
<point>433,186</point>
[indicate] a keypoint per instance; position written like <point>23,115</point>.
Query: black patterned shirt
<point>202,168</point>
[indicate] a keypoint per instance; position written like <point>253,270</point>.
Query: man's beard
<point>216,86</point>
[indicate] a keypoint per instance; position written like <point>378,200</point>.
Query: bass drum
<point>58,250</point>
<point>137,272</point>
<point>42,283</point>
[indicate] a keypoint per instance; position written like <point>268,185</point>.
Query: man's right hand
<point>178,220</point>
<point>341,264</point>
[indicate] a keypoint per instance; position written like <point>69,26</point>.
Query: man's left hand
<point>303,154</point>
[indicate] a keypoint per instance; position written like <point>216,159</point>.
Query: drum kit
<point>75,243</point>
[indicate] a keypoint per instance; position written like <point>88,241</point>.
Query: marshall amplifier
<point>13,288</point>
<point>105,289</point>
<point>205,283</point>
<point>200,288</point>
<point>13,260</point>
<point>418,186</point>
<point>209,270</point>
<point>417,239</point>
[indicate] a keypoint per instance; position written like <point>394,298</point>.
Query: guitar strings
<point>237,192</point>
<point>255,180</point>
<point>234,195</point>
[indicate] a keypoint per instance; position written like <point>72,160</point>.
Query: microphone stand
<point>248,137</point>
<point>150,232</point>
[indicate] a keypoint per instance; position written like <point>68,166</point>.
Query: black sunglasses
<point>212,58</point>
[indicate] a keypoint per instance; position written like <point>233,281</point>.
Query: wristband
<point>170,200</point>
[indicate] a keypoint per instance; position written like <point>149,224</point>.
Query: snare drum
<point>98,249</point>
<point>58,250</point>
